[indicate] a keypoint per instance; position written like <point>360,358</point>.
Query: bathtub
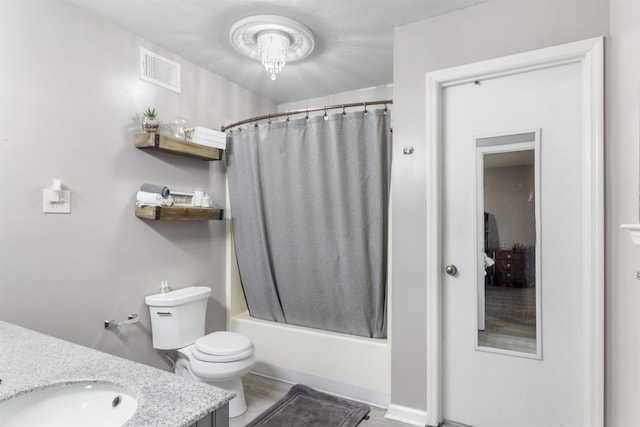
<point>354,367</point>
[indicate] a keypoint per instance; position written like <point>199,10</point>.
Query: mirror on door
<point>508,294</point>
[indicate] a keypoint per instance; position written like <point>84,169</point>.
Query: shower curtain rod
<point>305,110</point>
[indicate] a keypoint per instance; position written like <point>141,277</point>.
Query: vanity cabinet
<point>219,418</point>
<point>509,268</point>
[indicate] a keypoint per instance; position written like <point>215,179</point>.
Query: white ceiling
<point>354,38</point>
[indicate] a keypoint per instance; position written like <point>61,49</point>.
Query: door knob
<point>451,270</point>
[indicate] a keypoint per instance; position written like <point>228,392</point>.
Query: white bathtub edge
<point>327,385</point>
<point>354,367</point>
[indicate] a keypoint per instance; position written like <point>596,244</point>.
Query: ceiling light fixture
<point>272,40</point>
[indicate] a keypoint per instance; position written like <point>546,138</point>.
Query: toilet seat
<point>222,346</point>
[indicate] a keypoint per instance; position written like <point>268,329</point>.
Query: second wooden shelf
<point>179,213</point>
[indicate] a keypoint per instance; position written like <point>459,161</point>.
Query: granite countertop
<point>31,360</point>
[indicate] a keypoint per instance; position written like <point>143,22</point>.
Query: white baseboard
<point>406,415</point>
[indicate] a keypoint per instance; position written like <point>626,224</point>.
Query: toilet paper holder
<point>131,319</point>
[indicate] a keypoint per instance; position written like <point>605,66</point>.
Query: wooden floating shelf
<point>157,142</point>
<point>179,213</point>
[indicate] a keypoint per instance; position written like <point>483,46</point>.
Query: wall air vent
<point>159,70</point>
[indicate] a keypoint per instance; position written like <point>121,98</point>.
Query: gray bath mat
<point>304,406</point>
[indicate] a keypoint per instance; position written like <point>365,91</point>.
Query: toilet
<point>219,358</point>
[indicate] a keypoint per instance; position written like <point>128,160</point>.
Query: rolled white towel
<point>153,199</point>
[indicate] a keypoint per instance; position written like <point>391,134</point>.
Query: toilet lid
<point>223,343</point>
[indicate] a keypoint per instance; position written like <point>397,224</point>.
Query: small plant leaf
<point>150,113</point>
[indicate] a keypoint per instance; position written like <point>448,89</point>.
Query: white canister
<point>197,197</point>
<point>207,201</point>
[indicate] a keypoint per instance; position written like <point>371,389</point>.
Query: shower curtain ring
<point>269,120</point>
<point>307,116</point>
<point>385,109</point>
<point>365,108</point>
<point>325,114</point>
<point>344,113</point>
<point>288,117</point>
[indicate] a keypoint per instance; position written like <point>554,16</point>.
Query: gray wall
<point>489,30</point>
<point>370,94</point>
<point>70,98</point>
<point>622,153</point>
<point>506,197</point>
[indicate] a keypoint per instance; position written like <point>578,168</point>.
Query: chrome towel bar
<point>132,318</point>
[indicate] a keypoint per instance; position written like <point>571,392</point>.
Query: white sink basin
<point>75,405</point>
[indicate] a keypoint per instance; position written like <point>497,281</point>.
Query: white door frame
<point>588,53</point>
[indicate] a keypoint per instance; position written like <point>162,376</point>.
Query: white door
<point>513,342</point>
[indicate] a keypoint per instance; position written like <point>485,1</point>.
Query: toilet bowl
<point>219,358</point>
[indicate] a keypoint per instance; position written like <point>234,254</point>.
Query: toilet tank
<point>177,317</point>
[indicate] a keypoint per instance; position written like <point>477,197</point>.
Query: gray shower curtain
<point>309,201</point>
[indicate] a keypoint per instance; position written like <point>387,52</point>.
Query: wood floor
<point>261,392</point>
<point>510,319</point>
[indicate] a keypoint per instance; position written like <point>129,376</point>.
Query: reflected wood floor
<point>510,319</point>
<point>261,392</point>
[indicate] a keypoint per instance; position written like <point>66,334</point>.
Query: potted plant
<point>150,122</point>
